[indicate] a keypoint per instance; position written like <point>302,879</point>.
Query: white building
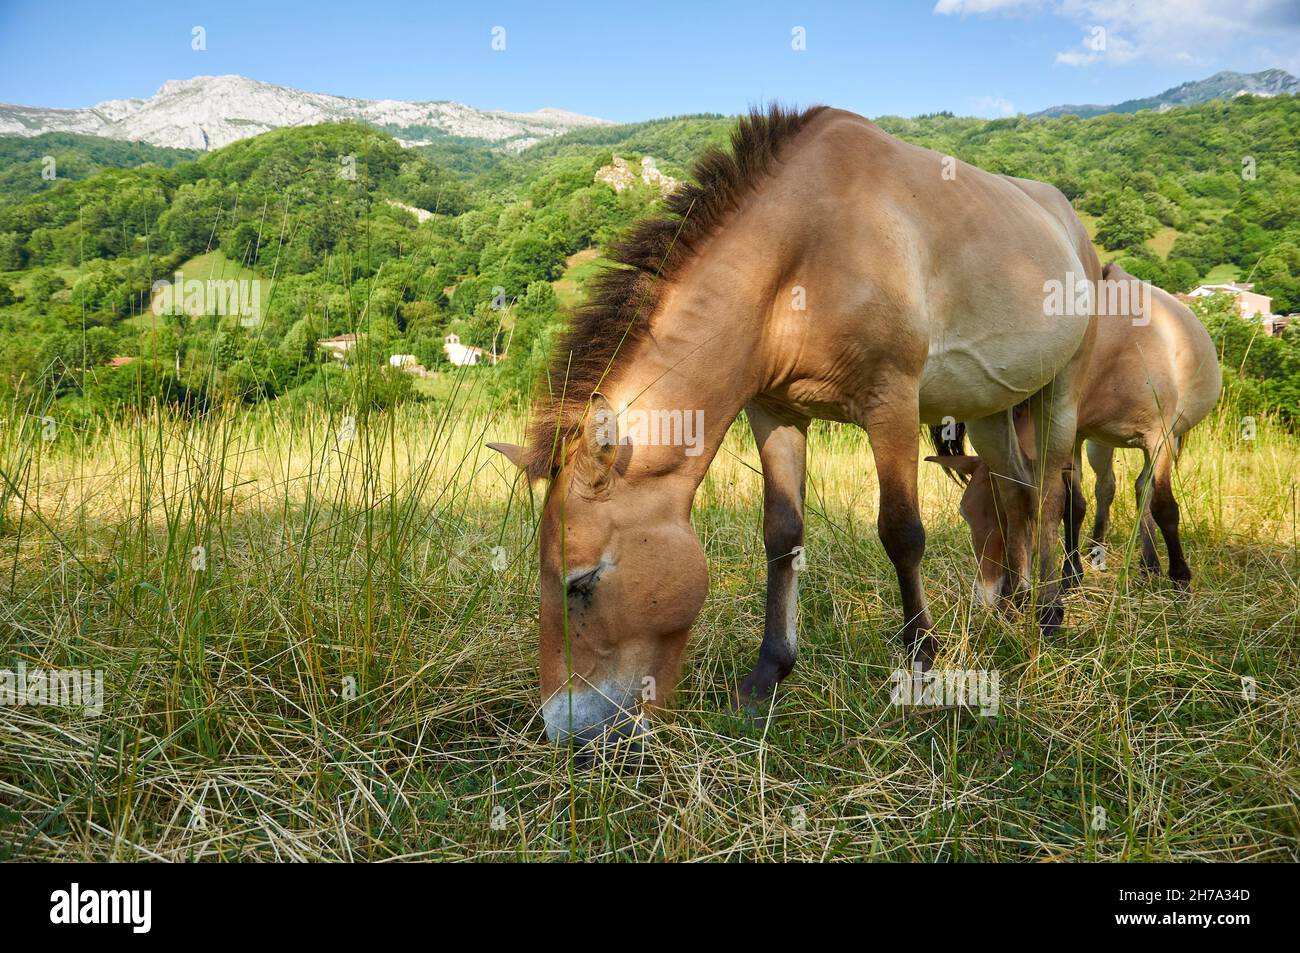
<point>463,355</point>
<point>338,347</point>
<point>408,363</point>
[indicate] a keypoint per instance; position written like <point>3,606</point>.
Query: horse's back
<point>1195,360</point>
<point>966,258</point>
<point>917,268</point>
<point>1149,378</point>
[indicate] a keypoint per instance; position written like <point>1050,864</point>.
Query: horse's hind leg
<point>782,452</point>
<point>895,442</point>
<point>1146,524</point>
<point>1102,460</point>
<point>1075,507</point>
<point>1164,508</point>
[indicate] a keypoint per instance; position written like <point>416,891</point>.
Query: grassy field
<point>210,266</point>
<point>21,281</point>
<point>346,669</point>
<point>1160,243</point>
<point>578,269</point>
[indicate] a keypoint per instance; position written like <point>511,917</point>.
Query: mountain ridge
<point>207,112</point>
<point>1224,84</point>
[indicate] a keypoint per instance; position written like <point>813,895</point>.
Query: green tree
<point>13,255</point>
<point>1125,223</point>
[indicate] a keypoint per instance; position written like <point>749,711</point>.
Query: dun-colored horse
<point>1153,375</point>
<point>821,268</point>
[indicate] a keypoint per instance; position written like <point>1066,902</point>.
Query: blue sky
<point>637,60</point>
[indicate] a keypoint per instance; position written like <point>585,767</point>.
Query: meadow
<point>317,634</point>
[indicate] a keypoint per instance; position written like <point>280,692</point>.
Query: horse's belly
<point>966,379</point>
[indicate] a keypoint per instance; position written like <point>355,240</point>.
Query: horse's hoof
<point>924,651</point>
<point>754,712</point>
<point>1016,597</point>
<point>755,697</point>
<point>1050,619</point>
<point>1150,570</point>
<point>1071,574</point>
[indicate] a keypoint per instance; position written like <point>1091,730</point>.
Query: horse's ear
<point>960,463</point>
<point>515,454</point>
<point>600,439</point>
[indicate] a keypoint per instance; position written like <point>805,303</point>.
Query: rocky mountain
<point>207,112</point>
<point>1224,85</point>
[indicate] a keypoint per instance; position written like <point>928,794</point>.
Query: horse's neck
<point>701,360</point>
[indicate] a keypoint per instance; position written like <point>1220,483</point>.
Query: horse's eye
<point>583,584</point>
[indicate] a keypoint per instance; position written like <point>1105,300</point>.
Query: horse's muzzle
<point>589,718</point>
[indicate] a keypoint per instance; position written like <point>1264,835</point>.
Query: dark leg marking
<point>782,448</point>
<point>1164,508</point>
<point>895,442</point>
<point>1075,507</point>
<point>1146,524</point>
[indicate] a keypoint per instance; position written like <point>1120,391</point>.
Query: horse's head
<point>623,578</point>
<point>980,511</point>
<point>988,513</point>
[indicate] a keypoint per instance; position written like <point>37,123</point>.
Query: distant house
<point>409,363</point>
<point>121,360</point>
<point>1249,303</point>
<point>338,347</point>
<point>462,355</point>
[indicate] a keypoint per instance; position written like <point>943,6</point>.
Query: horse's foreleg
<point>782,452</point>
<point>1164,508</point>
<point>1102,460</point>
<point>895,439</point>
<point>1075,506</point>
<point>1054,413</point>
<point>1146,524</point>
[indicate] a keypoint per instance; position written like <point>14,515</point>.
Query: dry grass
<point>227,732</point>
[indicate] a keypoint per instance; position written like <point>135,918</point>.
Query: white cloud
<point>1098,45</point>
<point>1188,31</point>
<point>1288,60</point>
<point>993,107</point>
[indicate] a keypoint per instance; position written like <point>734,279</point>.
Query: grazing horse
<point>1153,376</point>
<point>821,268</point>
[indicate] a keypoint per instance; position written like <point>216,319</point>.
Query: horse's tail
<point>954,446</point>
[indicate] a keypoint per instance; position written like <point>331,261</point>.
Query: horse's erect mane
<point>622,299</point>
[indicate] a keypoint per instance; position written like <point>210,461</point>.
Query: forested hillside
<point>32,165</point>
<point>320,219</point>
<point>1175,195</point>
